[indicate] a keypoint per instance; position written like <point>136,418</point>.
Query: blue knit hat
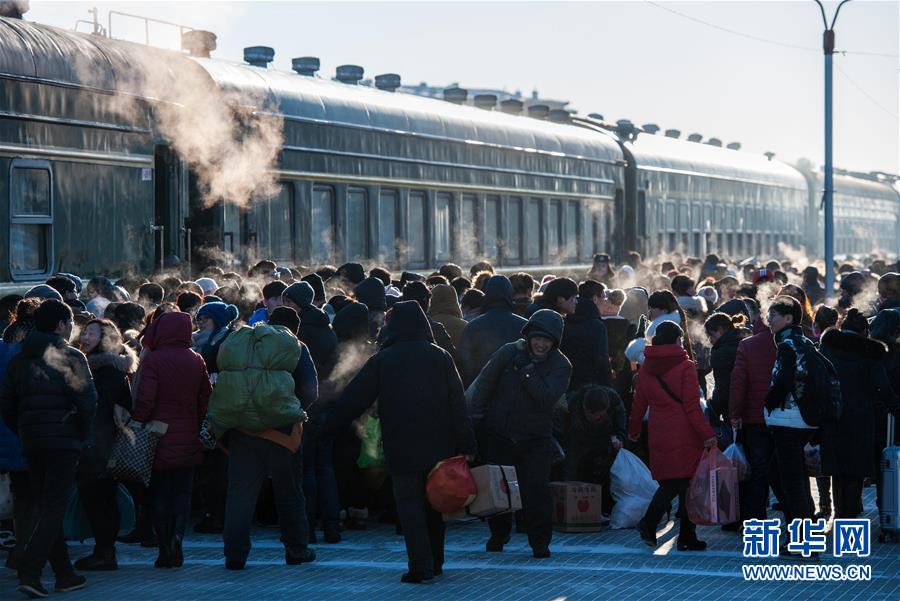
<point>220,313</point>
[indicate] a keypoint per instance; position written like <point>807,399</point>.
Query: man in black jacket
<point>423,421</point>
<point>584,340</point>
<point>49,398</point>
<point>496,326</point>
<point>315,328</point>
<point>513,400</point>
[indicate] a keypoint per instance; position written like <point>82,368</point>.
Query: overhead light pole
<point>828,197</point>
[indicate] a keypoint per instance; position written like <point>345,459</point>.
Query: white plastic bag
<point>735,453</point>
<point>632,487</point>
<point>6,498</point>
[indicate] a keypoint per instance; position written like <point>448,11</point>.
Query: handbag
<point>76,525</point>
<point>207,437</point>
<point>134,450</point>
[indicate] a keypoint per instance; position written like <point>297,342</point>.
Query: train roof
<point>664,154</point>
<point>857,186</point>
<point>39,52</point>
<point>320,100</point>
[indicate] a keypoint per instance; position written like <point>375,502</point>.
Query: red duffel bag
<point>450,485</point>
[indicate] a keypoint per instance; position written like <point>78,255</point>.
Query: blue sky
<point>637,60</point>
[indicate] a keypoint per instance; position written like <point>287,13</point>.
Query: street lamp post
<point>828,197</point>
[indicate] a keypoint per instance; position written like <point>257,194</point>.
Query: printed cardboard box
<point>498,490</point>
<point>576,506</point>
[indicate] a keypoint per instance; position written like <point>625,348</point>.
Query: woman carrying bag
<point>111,362</point>
<point>678,431</point>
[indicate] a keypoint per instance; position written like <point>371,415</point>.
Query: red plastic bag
<point>450,485</point>
<point>712,496</point>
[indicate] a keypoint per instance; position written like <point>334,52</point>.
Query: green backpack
<point>255,387</point>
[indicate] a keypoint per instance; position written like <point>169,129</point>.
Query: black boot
<point>647,532</point>
<point>101,560</point>
<point>163,535</point>
<point>688,541</point>
<point>176,555</point>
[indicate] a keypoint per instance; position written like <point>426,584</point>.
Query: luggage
<point>76,525</point>
<point>632,488</point>
<point>255,386</point>
<point>577,506</point>
<point>450,486</point>
<point>133,451</point>
<point>712,496</point>
<point>498,490</point>
<point>371,451</point>
<point>889,513</point>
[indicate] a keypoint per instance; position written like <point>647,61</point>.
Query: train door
<point>170,232</point>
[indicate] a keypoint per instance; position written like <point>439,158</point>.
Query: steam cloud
<point>229,138</point>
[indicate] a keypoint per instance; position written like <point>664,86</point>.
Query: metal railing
<point>147,21</point>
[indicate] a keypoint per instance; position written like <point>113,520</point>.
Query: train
<point>367,173</point>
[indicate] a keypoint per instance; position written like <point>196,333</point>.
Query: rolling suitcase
<point>890,487</point>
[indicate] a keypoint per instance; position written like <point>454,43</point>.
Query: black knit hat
<point>287,317</point>
<point>318,286</point>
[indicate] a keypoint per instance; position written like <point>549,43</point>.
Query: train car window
<point>323,224</point>
<point>491,226</point>
<point>642,213</point>
<point>442,226</point>
<point>417,234</point>
<point>683,218</point>
<point>729,218</point>
<point>468,231</point>
<point>357,232</point>
<point>387,225</point>
<point>670,217</point>
<point>514,230</point>
<point>570,231</point>
<point>553,225</point>
<point>31,219</point>
<point>274,225</point>
<point>697,218</point>
<point>533,231</point>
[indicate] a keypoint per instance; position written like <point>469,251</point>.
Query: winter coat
<point>316,333</point>
<point>750,378</point>
<point>445,310</point>
<point>788,379</point>
<point>496,326</point>
<point>11,457</point>
<point>635,350</point>
<point>619,332</point>
<point>722,358</point>
<point>582,438</point>
<point>886,328</point>
<point>48,396</point>
<point>441,336</point>
<point>859,363</point>
<point>174,389</point>
<point>256,386</point>
<point>586,345</point>
<point>207,344</point>
<point>110,371</point>
<point>677,428</point>
<point>514,395</point>
<point>419,395</point>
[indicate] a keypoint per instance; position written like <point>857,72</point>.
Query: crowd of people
<point>265,381</point>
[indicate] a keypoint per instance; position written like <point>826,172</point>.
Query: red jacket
<point>174,388</point>
<point>751,376</point>
<point>676,429</point>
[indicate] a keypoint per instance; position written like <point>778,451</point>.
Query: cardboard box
<point>576,506</point>
<point>498,490</point>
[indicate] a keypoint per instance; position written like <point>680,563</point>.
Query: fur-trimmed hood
<point>126,360</point>
<point>853,344</point>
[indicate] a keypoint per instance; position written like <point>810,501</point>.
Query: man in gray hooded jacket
<point>512,403</point>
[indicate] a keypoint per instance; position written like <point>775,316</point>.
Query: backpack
<point>822,400</point>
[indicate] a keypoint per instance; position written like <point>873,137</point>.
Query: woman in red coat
<point>174,389</point>
<point>678,431</point>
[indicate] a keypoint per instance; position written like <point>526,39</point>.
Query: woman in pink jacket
<point>174,389</point>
